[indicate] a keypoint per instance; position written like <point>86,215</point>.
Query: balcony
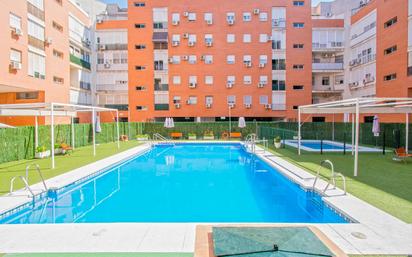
<point>362,60</point>
<point>36,12</point>
<point>279,23</point>
<point>330,46</point>
<point>327,67</point>
<point>120,107</point>
<point>35,42</point>
<point>161,87</point>
<point>112,87</point>
<point>362,4</point>
<point>78,61</point>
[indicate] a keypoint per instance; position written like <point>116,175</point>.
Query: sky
<point>123,3</point>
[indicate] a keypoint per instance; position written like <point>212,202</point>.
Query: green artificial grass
<point>100,255</point>
<point>64,163</point>
<point>382,182</point>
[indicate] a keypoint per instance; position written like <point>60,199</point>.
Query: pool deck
<point>375,233</point>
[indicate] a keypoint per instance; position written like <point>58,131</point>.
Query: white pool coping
<point>384,233</point>
<point>294,143</point>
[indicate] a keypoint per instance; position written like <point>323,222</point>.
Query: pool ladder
<point>251,140</point>
<point>25,180</point>
<point>332,179</point>
<point>159,138</point>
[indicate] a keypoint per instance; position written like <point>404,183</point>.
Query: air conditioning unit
<point>191,43</point>
<point>268,106</point>
<point>185,57</point>
<point>209,43</point>
<point>262,65</point>
<point>230,22</point>
<point>256,11</point>
<point>99,21</point>
<point>17,32</point>
<point>170,60</point>
<point>231,105</point>
<point>209,22</point>
<point>175,22</point>
<point>229,84</point>
<point>186,35</point>
<point>208,106</point>
<point>188,102</point>
<point>15,65</point>
<point>351,63</point>
<point>248,106</point>
<point>261,84</point>
<point>203,57</point>
<point>248,64</point>
<point>175,43</point>
<point>186,14</point>
<point>107,65</point>
<point>275,23</point>
<point>192,84</point>
<point>48,41</point>
<point>177,106</point>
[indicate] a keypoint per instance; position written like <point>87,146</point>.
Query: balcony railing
<point>161,87</point>
<point>327,66</point>
<point>35,42</point>
<point>76,60</point>
<point>36,12</point>
<point>279,23</point>
<point>329,45</point>
<point>111,87</point>
<point>120,107</point>
<point>362,60</point>
<point>362,4</point>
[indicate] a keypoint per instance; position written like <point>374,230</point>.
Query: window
<point>176,99</point>
<point>391,22</point>
<point>231,99</point>
<point>158,65</point>
<point>263,99</point>
<point>176,80</point>
<point>263,16</point>
<point>208,59</point>
<point>278,64</point>
<point>247,59</point>
<point>230,38</point>
<point>192,100</point>
<point>139,25</point>
<point>192,59</point>
<point>37,3</point>
<point>138,47</point>
<point>209,80</point>
<point>138,67</point>
<point>298,46</point>
<point>247,38</point>
<point>159,25</point>
<point>36,65</point>
<point>247,16</point>
<point>247,99</point>
<point>247,80</point>
<point>208,39</point>
<point>141,108</point>
<point>298,66</point>
<point>263,59</point>
<point>139,4</point>
<point>209,99</point>
<point>278,85</point>
<point>390,49</point>
<point>193,79</point>
<point>192,16</point>
<point>192,38</point>
<point>160,45</point>
<point>27,95</point>
<point>57,26</point>
<point>298,87</point>
<point>35,30</point>
<point>318,119</point>
<point>15,56</point>
<point>175,18</point>
<point>325,81</point>
<point>298,3</point>
<point>390,77</point>
<point>231,59</point>
<point>263,38</point>
<point>57,54</point>
<point>209,18</point>
<point>298,25</point>
<point>230,17</point>
<point>15,21</point>
<point>176,59</point>
<point>140,88</point>
<point>263,79</point>
<point>231,79</point>
<point>58,80</point>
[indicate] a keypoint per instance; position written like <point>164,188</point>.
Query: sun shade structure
<point>60,110</point>
<point>356,107</point>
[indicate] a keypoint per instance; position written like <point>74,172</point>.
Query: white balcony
<point>327,67</point>
<point>112,87</point>
<point>327,47</point>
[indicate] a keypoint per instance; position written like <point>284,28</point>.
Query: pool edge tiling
<point>381,232</point>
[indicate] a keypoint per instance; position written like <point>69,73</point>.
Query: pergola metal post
<point>299,130</point>
<point>94,131</point>
<point>52,134</point>
<point>355,168</point>
<point>72,127</point>
<point>117,129</point>
<point>353,133</point>
<point>36,132</point>
<point>407,133</point>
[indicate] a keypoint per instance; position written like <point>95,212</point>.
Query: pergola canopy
<point>355,107</point>
<point>56,109</point>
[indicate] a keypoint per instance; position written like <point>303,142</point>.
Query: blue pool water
<point>183,183</point>
<point>326,145</point>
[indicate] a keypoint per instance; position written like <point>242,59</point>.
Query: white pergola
<point>60,110</point>
<point>356,107</point>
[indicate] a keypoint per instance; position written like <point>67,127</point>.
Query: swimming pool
<point>182,183</point>
<point>328,146</point>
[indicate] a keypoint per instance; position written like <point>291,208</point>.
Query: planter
<point>277,145</point>
<point>191,137</point>
<point>209,137</point>
<point>142,138</point>
<point>58,150</point>
<point>42,155</point>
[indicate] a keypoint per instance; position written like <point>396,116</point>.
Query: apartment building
<point>45,50</point>
<point>206,61</point>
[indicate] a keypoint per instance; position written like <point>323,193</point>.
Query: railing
<point>36,12</point>
<point>35,42</point>
<point>159,138</point>
<point>332,179</point>
<point>327,66</point>
<point>24,182</point>
<point>279,23</point>
<point>112,87</point>
<point>329,45</point>
<point>38,171</point>
<point>112,47</point>
<point>76,60</point>
<point>362,4</point>
<point>362,60</point>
